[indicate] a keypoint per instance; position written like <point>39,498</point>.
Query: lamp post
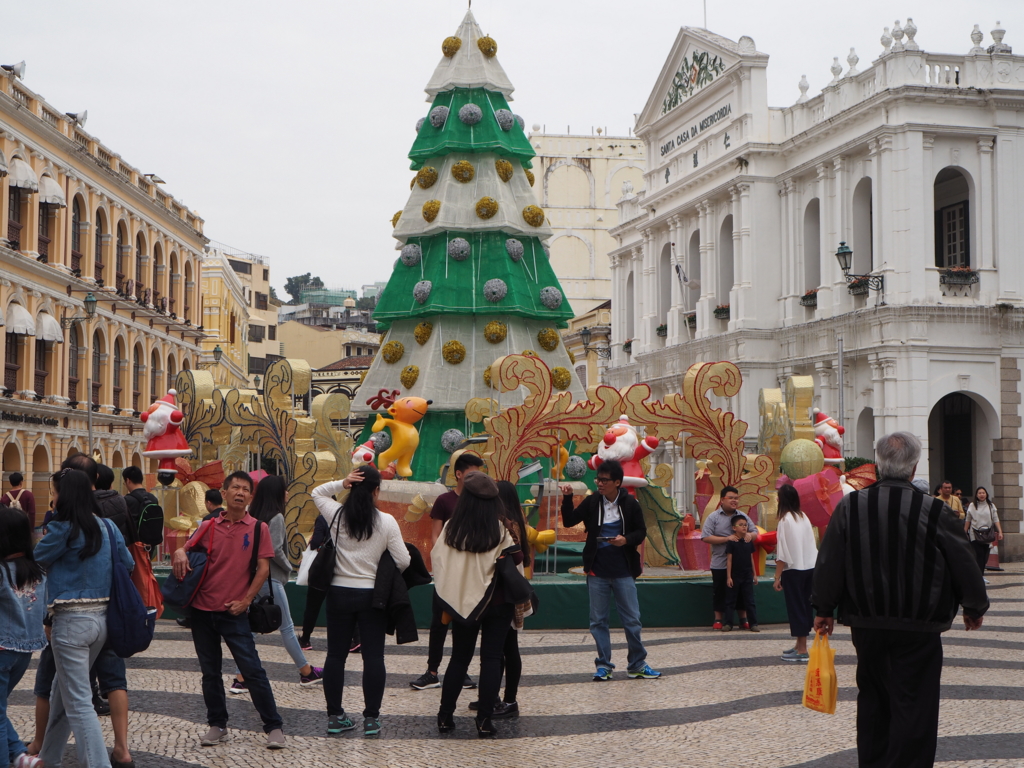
<point>844,255</point>
<point>604,353</point>
<point>217,354</point>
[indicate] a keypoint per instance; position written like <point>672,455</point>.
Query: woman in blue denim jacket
<point>76,555</point>
<point>22,610</point>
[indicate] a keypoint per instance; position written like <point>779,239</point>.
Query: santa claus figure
<point>829,437</point>
<point>164,438</point>
<point>622,443</point>
<point>364,454</point>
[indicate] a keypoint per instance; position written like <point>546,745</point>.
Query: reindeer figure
<point>405,438</point>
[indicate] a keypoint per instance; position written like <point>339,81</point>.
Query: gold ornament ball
<point>504,169</point>
<point>409,375</point>
<point>572,356</point>
<point>395,218</point>
<point>392,351</point>
<point>430,209</point>
<point>486,207</point>
<point>561,378</point>
<point>426,177</point>
<point>487,46</point>
<point>533,215</point>
<point>451,46</point>
<point>463,171</point>
<point>529,176</point>
<point>528,353</point>
<point>548,339</point>
<point>422,333</point>
<point>801,458</point>
<point>487,376</point>
<point>454,352</point>
<point>495,332</point>
<point>412,182</point>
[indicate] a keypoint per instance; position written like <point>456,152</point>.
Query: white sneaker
<point>985,580</point>
<point>25,760</point>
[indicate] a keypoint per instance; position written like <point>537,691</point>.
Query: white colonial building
<point>916,162</point>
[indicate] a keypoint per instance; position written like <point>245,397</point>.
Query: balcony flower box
<point>810,299</point>
<point>691,320</point>
<point>858,287</point>
<point>722,312</point>
<point>662,330</point>
<point>627,346</point>
<point>958,276</point>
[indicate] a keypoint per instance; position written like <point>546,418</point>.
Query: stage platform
<point>668,598</point>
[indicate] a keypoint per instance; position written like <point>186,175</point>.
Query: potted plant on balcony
<point>810,299</point>
<point>662,330</point>
<point>722,312</point>
<point>858,287</point>
<point>691,319</point>
<point>627,346</point>
<point>958,276</point>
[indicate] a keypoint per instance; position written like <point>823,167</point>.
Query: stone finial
<point>897,35</point>
<point>997,40</point>
<point>887,41</point>
<point>852,60</point>
<point>911,30</point>
<point>803,85</point>
<point>836,69</point>
<point>976,37</point>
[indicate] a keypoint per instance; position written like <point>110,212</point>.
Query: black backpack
<point>149,522</point>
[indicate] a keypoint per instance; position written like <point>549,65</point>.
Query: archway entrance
<point>961,428</point>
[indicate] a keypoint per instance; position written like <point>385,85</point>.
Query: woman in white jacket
<point>361,533</point>
<point>982,514</point>
<point>795,554</point>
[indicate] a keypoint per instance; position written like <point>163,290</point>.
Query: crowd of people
<point>895,564</point>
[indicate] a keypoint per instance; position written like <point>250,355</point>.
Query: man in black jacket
<point>615,528</point>
<point>897,565</point>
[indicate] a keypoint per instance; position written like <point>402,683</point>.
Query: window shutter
<point>940,260</point>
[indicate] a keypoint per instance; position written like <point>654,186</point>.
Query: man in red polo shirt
<point>220,608</point>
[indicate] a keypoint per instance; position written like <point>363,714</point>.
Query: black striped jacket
<point>894,558</point>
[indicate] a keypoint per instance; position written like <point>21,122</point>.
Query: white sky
<point>286,124</point>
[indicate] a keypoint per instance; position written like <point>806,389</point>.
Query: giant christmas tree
<point>473,282</point>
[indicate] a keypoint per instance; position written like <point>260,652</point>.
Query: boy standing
<point>740,578</point>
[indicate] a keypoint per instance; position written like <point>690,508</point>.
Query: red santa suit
<point>622,443</point>
<point>165,440</point>
<point>828,434</point>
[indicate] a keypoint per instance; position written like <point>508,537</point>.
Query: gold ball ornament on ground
<point>454,352</point>
<point>560,378</point>
<point>426,177</point>
<point>801,458</point>
<point>422,332</point>
<point>495,331</point>
<point>463,171</point>
<point>548,339</point>
<point>504,169</point>
<point>392,351</point>
<point>430,209</point>
<point>409,375</point>
<point>451,46</point>
<point>533,215</point>
<point>486,207</point>
<point>487,46</point>
<point>529,176</point>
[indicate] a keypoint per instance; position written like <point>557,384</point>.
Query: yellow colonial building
<point>226,321</point>
<point>99,292</point>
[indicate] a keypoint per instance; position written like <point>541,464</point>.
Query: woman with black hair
<point>76,553</point>
<point>21,621</point>
<point>795,555</point>
<point>465,564</point>
<point>267,506</point>
<point>982,516</point>
<point>361,534</point>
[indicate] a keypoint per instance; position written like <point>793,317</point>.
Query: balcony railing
<point>11,377</point>
<point>76,260</point>
<point>117,397</point>
<point>44,248</point>
<point>96,394</point>
<point>40,383</point>
<point>97,272</point>
<point>73,389</point>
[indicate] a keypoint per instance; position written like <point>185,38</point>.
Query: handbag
<point>143,578</point>
<point>515,586</point>
<point>989,533</point>
<point>130,624</point>
<point>264,615</point>
<point>179,593</point>
<point>321,570</point>
<point>820,684</point>
<point>308,556</point>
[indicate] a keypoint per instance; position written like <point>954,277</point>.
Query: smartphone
<point>605,538</point>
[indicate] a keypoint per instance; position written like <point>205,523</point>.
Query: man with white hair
<point>897,565</point>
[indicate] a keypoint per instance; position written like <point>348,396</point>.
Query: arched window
<point>725,261</point>
<point>119,256</point>
<point>692,288</point>
<point>189,286</point>
<point>952,219</point>
<point>98,269</point>
<point>42,367</point>
<point>154,370</point>
<point>812,245</point>
<point>97,373</point>
<point>76,236</point>
<point>630,304</point>
<point>139,266</point>
<point>14,216</point>
<point>863,228</point>
<point>118,362</point>
<point>136,378</point>
<point>12,361</point>
<point>665,278</point>
<point>73,364</point>
<point>171,298</point>
<point>171,372</point>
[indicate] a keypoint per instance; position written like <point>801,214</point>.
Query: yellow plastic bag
<point>820,685</point>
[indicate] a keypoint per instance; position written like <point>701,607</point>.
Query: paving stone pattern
<point>724,699</point>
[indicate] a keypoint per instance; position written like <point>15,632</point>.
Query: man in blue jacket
<point>615,528</point>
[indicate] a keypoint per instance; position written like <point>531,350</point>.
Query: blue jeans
<point>208,627</point>
<point>628,605</point>
<point>291,642</point>
<point>12,668</point>
<point>76,639</point>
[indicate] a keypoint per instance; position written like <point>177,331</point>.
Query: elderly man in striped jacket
<point>897,565</point>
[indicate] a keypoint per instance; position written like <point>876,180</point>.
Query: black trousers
<point>898,677</point>
<point>981,552</point>
<point>512,661</point>
<point>438,634</point>
<point>314,601</point>
<point>719,588</point>
<point>742,594</point>
<point>493,626</point>
<point>796,586</point>
<point>347,609</point>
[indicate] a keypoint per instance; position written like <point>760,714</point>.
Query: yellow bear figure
<point>405,438</point>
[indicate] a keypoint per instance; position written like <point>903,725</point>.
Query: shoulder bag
<point>321,570</point>
<point>180,593</point>
<point>989,533</point>
<point>264,615</point>
<point>516,587</point>
<point>130,624</point>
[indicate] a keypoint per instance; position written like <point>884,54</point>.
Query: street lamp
<point>90,312</point>
<point>217,354</point>
<point>844,255</point>
<point>601,352</point>
<point>256,381</point>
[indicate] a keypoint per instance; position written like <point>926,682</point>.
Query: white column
<point>735,294</point>
<point>920,288</point>
<point>708,271</point>
<point>985,207</point>
<point>648,304</point>
<point>674,320</point>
